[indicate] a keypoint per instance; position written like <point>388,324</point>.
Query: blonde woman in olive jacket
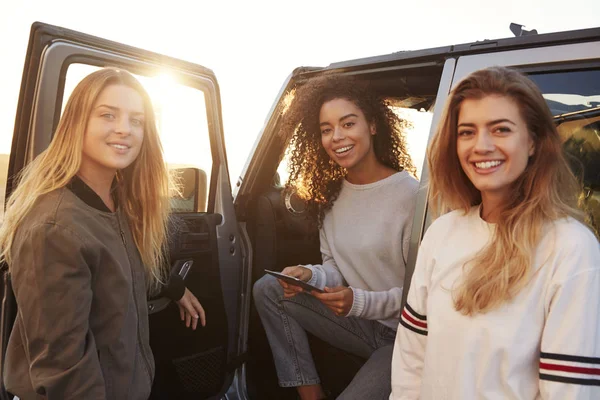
<point>84,236</point>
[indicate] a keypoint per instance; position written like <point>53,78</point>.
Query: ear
<point>372,129</point>
<point>531,147</point>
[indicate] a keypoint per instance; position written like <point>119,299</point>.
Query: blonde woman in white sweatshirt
<point>505,298</point>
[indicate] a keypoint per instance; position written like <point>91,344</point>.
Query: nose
<point>338,134</point>
<point>123,126</point>
<point>484,142</point>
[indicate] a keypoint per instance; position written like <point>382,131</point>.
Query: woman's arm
<point>328,273</point>
<point>53,288</point>
<point>376,305</point>
<point>570,349</point>
<point>175,287</point>
<point>190,309</point>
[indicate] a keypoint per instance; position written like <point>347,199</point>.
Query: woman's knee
<point>266,288</point>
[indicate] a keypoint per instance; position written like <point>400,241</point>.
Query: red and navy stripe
<point>412,320</point>
<point>570,369</point>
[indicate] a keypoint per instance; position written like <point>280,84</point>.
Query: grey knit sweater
<point>364,244</point>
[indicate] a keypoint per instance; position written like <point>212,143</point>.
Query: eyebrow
<point>341,119</point>
<point>491,123</point>
<point>118,109</point>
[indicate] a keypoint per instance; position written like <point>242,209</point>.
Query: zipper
<point>135,302</point>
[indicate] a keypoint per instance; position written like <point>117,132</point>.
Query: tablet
<point>294,281</point>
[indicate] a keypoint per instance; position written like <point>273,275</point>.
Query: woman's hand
<point>191,310</point>
<point>302,273</point>
<point>338,299</point>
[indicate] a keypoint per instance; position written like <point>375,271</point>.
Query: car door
<point>566,67</point>
<point>190,364</point>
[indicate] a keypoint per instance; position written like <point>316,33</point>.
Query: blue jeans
<point>285,321</point>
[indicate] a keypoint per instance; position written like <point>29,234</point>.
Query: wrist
<point>306,274</point>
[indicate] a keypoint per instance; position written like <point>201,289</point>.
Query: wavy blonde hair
<point>546,191</point>
<point>142,187</point>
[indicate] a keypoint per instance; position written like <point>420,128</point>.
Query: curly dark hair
<point>312,172</point>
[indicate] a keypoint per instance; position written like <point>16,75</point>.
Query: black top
<point>175,287</point>
<point>87,194</point>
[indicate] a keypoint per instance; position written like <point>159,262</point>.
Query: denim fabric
<point>286,322</point>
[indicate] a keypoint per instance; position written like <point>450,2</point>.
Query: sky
<point>253,46</point>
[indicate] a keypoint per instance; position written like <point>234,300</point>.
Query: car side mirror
<point>193,191</point>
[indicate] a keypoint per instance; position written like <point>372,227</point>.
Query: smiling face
<point>115,131</point>
<point>493,144</point>
<point>346,135</point>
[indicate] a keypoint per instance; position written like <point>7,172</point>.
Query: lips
<point>343,150</point>
<point>119,146</point>
<point>486,167</point>
<point>487,164</point>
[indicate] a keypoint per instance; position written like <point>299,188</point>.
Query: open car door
<point>190,364</point>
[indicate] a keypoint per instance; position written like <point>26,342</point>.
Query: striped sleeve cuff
<point>570,369</point>
<point>413,321</point>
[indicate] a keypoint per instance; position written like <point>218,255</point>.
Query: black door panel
<point>191,364</point>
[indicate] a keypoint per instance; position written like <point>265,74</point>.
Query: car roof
<point>478,47</point>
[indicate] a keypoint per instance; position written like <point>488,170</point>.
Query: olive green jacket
<point>82,327</point>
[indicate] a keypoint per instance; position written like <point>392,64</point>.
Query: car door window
<point>574,100</point>
<point>417,132</point>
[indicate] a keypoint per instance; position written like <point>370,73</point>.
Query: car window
<point>182,124</point>
<point>417,133</point>
<point>574,99</point>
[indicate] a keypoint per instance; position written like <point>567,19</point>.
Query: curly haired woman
<point>348,153</point>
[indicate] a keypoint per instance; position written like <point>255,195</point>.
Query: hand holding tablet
<point>294,281</point>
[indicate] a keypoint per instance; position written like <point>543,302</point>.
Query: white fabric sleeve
<point>376,305</point>
<point>328,273</point>
<point>411,338</point>
<point>570,349</point>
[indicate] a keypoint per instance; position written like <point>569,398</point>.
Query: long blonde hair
<point>142,187</point>
<point>546,191</point>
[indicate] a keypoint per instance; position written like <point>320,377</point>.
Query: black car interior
<point>190,364</point>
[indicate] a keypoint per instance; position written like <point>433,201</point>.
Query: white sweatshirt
<point>364,244</point>
<point>544,344</point>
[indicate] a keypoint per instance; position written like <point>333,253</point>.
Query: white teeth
<point>343,149</point>
<point>118,146</point>
<point>487,164</point>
